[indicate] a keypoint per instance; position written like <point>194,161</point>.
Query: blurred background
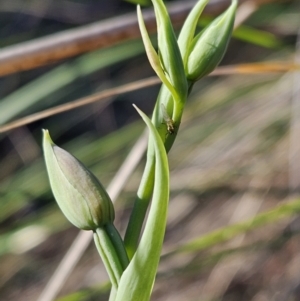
<point>233,230</point>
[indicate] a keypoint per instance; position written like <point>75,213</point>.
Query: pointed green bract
<point>208,48</point>
<point>137,280</point>
<point>79,194</point>
<point>168,63</point>
<point>169,52</point>
<point>169,67</point>
<point>153,56</point>
<point>188,29</point>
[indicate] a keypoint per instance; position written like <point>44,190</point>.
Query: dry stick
<point>255,68</point>
<point>83,238</point>
<point>55,47</point>
<point>54,42</point>
<point>81,102</point>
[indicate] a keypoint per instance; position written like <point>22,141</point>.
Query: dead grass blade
<point>80,102</point>
<point>55,47</point>
<point>271,67</point>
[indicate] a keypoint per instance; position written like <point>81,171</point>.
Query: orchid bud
<point>208,47</point>
<point>169,52</point>
<point>167,63</point>
<point>78,193</point>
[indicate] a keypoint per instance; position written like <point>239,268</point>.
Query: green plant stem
<point>137,280</point>
<point>147,183</point>
<point>109,256</point>
<point>140,206</point>
<point>228,232</point>
<point>113,294</point>
<point>118,244</point>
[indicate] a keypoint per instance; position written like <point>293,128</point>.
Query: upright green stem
<point>118,244</point>
<point>147,183</point>
<point>109,256</point>
<point>113,294</point>
<point>185,61</point>
<point>140,206</point>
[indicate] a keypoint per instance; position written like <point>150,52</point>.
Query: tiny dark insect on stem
<point>168,120</point>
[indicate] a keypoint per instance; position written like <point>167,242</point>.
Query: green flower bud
<point>79,194</point>
<point>167,63</point>
<point>188,29</point>
<point>169,52</point>
<point>208,47</point>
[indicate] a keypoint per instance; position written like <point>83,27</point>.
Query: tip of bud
<point>208,48</point>
<point>46,136</point>
<point>45,132</point>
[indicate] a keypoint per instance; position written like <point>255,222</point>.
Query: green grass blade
<point>58,78</point>
<point>226,233</point>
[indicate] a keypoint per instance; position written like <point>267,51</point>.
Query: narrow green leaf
<point>137,280</point>
<point>228,232</point>
<point>257,37</point>
<point>58,78</point>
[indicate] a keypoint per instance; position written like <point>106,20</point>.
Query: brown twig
<point>55,47</point>
<point>255,68</point>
